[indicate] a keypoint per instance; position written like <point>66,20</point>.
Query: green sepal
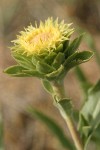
<point>24,61</point>
<point>43,54</point>
<point>16,71</point>
<point>47,86</point>
<point>49,58</point>
<point>65,44</point>
<point>55,74</point>
<point>73,46</point>
<point>35,59</point>
<point>59,59</point>
<point>44,68</point>
<point>59,48</point>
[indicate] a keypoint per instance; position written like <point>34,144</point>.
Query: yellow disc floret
<point>46,37</point>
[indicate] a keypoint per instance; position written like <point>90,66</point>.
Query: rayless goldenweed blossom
<point>46,52</point>
<point>45,38</point>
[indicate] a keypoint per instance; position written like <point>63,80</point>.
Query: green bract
<point>56,56</point>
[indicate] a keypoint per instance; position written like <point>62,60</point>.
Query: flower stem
<point>60,93</point>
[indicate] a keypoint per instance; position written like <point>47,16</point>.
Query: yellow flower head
<point>45,38</point>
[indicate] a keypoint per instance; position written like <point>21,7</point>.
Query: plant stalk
<point>60,93</point>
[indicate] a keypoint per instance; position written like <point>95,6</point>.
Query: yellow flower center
<point>43,37</point>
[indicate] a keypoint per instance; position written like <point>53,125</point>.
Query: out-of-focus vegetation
<point>1,134</point>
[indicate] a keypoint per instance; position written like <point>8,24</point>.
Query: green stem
<point>60,93</point>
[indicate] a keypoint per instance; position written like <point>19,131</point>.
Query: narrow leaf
<point>16,71</point>
<point>78,58</point>
<point>84,56</point>
<point>34,73</point>
<point>53,127</point>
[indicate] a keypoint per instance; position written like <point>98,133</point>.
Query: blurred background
<point>16,94</point>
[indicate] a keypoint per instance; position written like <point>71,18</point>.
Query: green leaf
<point>59,48</point>
<point>47,86</point>
<point>34,73</point>
<point>73,45</point>
<point>44,68</point>
<point>91,113</point>
<point>59,59</point>
<point>24,61</point>
<point>77,58</point>
<point>83,56</point>
<point>53,127</point>
<point>16,71</point>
